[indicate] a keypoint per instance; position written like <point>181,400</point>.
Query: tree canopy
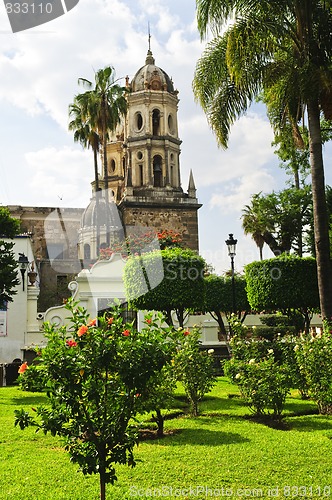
<point>280,46</point>
<point>167,280</point>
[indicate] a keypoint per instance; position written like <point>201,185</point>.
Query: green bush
<point>314,357</point>
<point>194,367</point>
<point>263,383</point>
<point>33,379</point>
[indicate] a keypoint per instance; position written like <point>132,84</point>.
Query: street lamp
<point>231,245</point>
<point>23,263</point>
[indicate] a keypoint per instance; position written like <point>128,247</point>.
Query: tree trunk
<point>102,485</point>
<point>97,202</point>
<point>159,419</point>
<point>217,316</point>
<point>321,224</point>
<point>105,171</point>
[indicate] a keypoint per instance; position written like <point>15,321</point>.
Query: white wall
<point>13,338</point>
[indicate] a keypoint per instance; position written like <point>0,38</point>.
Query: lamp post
<point>231,245</point>
<point>23,263</point>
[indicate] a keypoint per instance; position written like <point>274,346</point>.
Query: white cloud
<point>236,194</point>
<point>60,177</point>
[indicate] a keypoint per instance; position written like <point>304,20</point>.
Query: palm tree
<point>87,137</point>
<point>103,107</point>
<point>253,224</point>
<point>284,45</point>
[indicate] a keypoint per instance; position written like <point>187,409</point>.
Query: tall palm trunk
<point>104,126</point>
<point>321,226</point>
<point>95,155</point>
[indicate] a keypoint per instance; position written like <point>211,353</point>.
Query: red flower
<point>23,367</point>
<point>126,333</point>
<point>186,333</point>
<point>71,343</point>
<point>82,330</point>
<point>148,321</point>
<point>93,322</point>
<point>110,321</point>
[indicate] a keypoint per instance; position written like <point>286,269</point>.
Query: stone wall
<point>181,219</point>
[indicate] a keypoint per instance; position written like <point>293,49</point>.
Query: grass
<point>222,453</point>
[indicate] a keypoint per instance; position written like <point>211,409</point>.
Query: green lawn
<point>221,454</point>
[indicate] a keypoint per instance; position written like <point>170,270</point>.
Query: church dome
<point>108,215</point>
<point>151,77</point>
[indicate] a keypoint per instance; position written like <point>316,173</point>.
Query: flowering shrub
<point>262,371</point>
<point>314,356</point>
<point>193,367</point>
<point>94,373</point>
<point>143,242</point>
<point>32,377</point>
<point>263,383</point>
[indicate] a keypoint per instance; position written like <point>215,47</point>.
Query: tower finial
<point>149,33</point>
<point>149,58</point>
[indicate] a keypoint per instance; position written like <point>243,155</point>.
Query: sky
<point>41,165</point>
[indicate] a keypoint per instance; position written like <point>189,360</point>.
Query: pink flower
<point>71,343</point>
<point>82,330</point>
<point>126,333</point>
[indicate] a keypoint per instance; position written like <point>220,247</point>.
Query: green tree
<point>277,219</point>
<point>284,284</point>
<point>218,298</point>
<point>167,280</point>
<point>254,222</point>
<point>9,227</point>
<point>95,372</point>
<point>278,45</point>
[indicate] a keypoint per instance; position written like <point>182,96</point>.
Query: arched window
<point>140,175</point>
<point>87,252</point>
<point>156,122</point>
<point>157,171</point>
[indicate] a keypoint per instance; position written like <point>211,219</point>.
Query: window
<point>139,121</point>
<point>87,251</point>
<point>155,122</point>
<point>170,124</point>
<point>112,165</point>
<point>157,171</point>
<point>140,175</point>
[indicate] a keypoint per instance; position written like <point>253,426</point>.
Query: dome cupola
<point>151,77</point>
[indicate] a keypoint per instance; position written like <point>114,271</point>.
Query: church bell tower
<point>144,159</point>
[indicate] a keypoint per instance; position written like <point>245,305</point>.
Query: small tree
<point>168,280</point>
<point>96,372</point>
<point>159,391</point>
<point>9,227</point>
<point>218,298</point>
<point>194,368</point>
<point>284,283</point>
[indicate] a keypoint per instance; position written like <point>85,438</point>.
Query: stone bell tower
<point>144,159</point>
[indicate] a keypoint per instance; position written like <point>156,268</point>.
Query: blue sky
<point>40,164</point>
